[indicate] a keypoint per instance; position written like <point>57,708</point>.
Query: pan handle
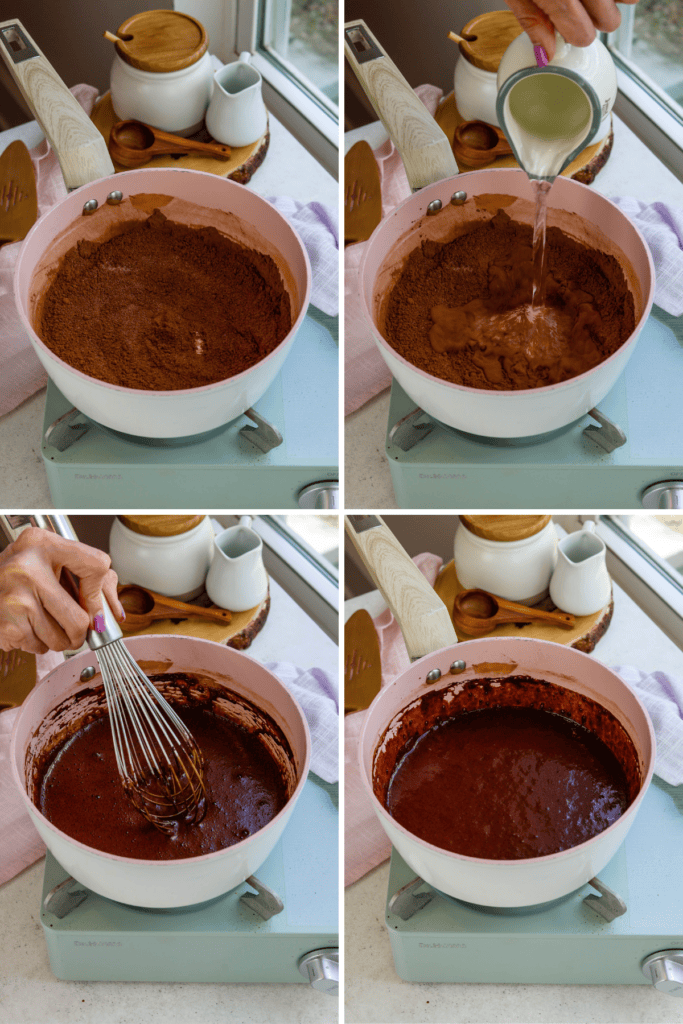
<point>424,147</point>
<point>423,617</point>
<point>82,151</point>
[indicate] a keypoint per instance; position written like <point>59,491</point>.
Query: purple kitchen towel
<point>662,695</point>
<point>662,228</point>
<point>318,694</point>
<point>318,228</point>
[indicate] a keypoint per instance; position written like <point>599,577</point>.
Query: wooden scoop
<point>476,143</point>
<point>477,612</point>
<point>132,144</point>
<point>142,607</point>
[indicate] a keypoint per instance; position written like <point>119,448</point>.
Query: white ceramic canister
<point>510,556</point>
<point>475,82</point>
<point>170,555</point>
<point>162,72</point>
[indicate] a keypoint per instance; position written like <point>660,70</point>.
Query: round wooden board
<point>588,629</point>
<point>583,168</point>
<point>240,167</point>
<point>239,633</point>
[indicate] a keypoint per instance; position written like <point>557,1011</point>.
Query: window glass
<point>649,40</point>
<point>316,535</point>
<point>658,537</point>
<point>302,36</point>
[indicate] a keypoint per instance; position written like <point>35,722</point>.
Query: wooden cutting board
<point>238,633</point>
<point>17,677</point>
<point>583,168</point>
<point>244,160</point>
<point>587,630</point>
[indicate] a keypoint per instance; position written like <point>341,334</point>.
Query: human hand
<point>36,612</point>
<point>575,20</point>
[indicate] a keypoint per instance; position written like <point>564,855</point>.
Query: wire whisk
<point>160,765</point>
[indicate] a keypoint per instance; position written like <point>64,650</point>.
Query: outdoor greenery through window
<point>302,36</point>
<point>650,42</point>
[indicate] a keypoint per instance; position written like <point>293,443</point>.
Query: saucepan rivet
<point>433,207</point>
<point>114,198</point>
<point>434,675</point>
<point>458,666</point>
<point>458,198</point>
<point>90,206</point>
<point>87,673</point>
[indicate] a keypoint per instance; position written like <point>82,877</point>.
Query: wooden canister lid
<point>161,41</point>
<point>488,37</point>
<point>161,526</point>
<point>505,528</point>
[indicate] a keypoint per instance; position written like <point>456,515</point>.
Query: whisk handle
<point>112,631</point>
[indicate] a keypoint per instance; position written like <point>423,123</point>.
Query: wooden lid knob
<point>161,41</point>
<point>161,526</point>
<point>488,37</point>
<point>505,528</point>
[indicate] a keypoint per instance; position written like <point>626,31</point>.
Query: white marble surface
<point>288,170</point>
<point>631,170</point>
<point>374,994</point>
<point>29,992</point>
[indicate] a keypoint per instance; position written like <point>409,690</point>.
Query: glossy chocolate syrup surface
<point>507,783</point>
<point>80,792</point>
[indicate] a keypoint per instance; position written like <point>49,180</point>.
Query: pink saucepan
<point>172,883</point>
<point>187,196</point>
<point>443,663</point>
<point>437,210</point>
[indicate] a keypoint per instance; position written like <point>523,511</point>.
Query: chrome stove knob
<point>321,969</point>
<point>667,494</point>
<point>665,971</point>
<point>321,495</point>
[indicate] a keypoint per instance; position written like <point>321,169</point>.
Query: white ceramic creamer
<point>580,583</point>
<point>550,114</point>
<point>237,578</point>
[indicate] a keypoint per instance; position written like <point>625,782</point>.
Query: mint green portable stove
<point>280,926</point>
<point>626,928</point>
<point>283,453</point>
<point>626,454</point>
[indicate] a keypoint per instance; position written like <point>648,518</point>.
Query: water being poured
<point>541,190</point>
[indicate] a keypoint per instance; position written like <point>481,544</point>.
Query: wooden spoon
<point>477,612</point>
<point>18,199</point>
<point>142,607</point>
<point>476,143</point>
<point>132,144</point>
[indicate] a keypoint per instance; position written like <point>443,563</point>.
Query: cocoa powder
<point>163,306</point>
<point>460,309</point>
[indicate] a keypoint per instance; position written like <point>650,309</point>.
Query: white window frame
<point>644,577</point>
<point>299,573</point>
<point>644,108</point>
<point>233,27</point>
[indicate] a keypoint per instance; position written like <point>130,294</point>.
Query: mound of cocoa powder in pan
<point>164,306</point>
<point>459,309</point>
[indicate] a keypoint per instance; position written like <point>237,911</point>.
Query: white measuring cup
<point>237,114</point>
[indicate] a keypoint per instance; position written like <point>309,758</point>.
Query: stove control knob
<point>320,967</point>
<point>667,494</point>
<point>321,495</point>
<point>665,971</point>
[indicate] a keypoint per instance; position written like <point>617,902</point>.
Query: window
<point>645,557</point>
<point>647,53</point>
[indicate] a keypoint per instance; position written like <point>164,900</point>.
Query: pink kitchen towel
<point>20,844</point>
<point>365,842</point>
<point>366,372</point>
